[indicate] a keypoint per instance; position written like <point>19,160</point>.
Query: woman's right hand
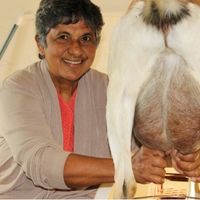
<point>149,166</point>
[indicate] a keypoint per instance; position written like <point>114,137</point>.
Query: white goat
<point>154,83</point>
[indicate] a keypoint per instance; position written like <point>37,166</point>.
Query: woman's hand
<point>149,166</point>
<point>188,164</point>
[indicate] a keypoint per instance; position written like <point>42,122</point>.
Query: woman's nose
<point>75,48</point>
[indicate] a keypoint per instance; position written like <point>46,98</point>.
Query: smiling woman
<point>69,51</point>
<point>53,141</point>
<point>68,43</point>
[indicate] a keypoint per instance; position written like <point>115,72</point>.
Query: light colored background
<point>22,49</point>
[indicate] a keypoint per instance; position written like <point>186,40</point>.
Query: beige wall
<point>10,11</point>
<point>22,49</point>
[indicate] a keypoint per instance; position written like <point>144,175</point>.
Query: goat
<point>154,83</point>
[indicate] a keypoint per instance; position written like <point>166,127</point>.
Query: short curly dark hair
<point>53,12</point>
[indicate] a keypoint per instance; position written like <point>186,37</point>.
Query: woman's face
<point>70,51</point>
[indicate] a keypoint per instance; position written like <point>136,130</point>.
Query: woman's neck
<point>65,88</point>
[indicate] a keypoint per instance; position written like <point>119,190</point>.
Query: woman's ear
<point>40,47</point>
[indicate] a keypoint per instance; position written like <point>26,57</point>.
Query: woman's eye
<point>64,37</point>
<point>87,39</point>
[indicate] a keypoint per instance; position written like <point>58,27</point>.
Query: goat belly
<point>167,113</point>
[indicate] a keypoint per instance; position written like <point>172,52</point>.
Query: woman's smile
<point>74,62</point>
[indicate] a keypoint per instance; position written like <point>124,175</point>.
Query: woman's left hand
<point>187,164</point>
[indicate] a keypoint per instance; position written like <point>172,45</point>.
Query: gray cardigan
<point>31,154</point>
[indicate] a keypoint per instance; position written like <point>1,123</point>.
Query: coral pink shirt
<point>67,115</point>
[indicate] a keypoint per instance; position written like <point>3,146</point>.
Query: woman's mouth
<point>73,62</point>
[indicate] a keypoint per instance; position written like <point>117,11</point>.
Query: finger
<point>186,166</point>
<point>156,171</point>
<point>157,179</point>
<point>150,178</point>
<point>189,157</point>
<point>186,157</point>
<point>159,162</point>
<point>174,165</point>
<point>184,162</point>
<point>194,173</point>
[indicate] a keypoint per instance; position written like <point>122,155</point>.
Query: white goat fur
<point>135,53</point>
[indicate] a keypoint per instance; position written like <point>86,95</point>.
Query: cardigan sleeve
<point>28,135</point>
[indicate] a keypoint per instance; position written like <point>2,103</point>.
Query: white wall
<point>22,49</point>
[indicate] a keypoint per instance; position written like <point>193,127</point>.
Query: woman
<point>53,141</point>
<point>32,158</point>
